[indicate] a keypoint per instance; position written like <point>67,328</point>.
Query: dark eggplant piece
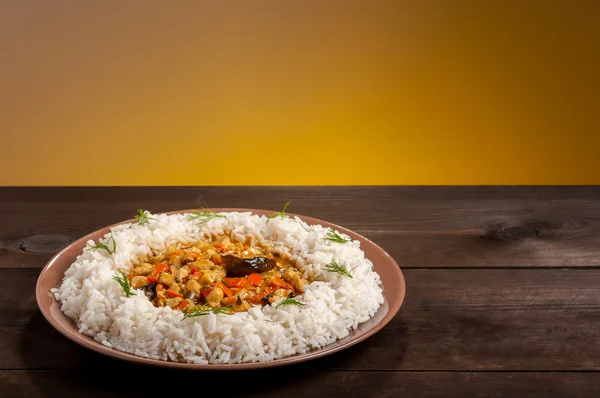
<point>150,291</point>
<point>265,300</point>
<point>245,266</point>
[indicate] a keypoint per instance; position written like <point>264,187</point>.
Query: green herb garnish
<point>289,302</point>
<point>335,237</point>
<point>124,282</point>
<point>204,216</point>
<point>302,225</point>
<point>143,218</point>
<point>106,246</point>
<point>340,268</point>
<point>201,310</point>
<point>280,213</point>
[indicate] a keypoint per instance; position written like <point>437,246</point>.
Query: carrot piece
<point>235,282</point>
<point>224,288</point>
<point>172,294</point>
<point>268,289</point>
<point>229,300</point>
<point>257,298</point>
<point>161,268</point>
<point>255,278</point>
<point>153,277</point>
<point>216,258</point>
<point>196,273</point>
<point>281,283</point>
<point>220,248</point>
<point>181,305</point>
<point>277,281</point>
<point>195,255</point>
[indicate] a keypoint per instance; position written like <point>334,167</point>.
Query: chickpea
<point>294,278</point>
<point>173,302</point>
<point>143,269</point>
<point>192,286</point>
<point>214,297</point>
<point>202,265</point>
<point>139,281</point>
<point>211,276</point>
<point>201,245</point>
<point>181,274</point>
<point>278,295</point>
<point>165,279</point>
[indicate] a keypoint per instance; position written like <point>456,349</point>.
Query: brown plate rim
<point>90,343</point>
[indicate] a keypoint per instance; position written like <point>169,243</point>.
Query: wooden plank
<point>409,249</point>
<point>297,381</point>
<point>453,319</point>
<point>418,226</point>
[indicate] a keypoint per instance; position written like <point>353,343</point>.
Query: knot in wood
<point>44,243</point>
<point>519,232</point>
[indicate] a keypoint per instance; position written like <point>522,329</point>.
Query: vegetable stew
<point>220,274</point>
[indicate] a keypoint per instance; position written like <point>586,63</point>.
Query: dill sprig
<point>302,225</point>
<point>143,218</point>
<point>106,246</point>
<point>201,310</point>
<point>289,302</point>
<point>280,213</point>
<point>124,282</point>
<point>340,268</point>
<point>333,236</point>
<point>204,216</point>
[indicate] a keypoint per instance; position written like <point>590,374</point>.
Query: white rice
<point>334,304</point>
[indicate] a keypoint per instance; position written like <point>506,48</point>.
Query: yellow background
<point>299,92</point>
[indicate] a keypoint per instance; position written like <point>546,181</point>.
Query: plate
<point>392,280</point>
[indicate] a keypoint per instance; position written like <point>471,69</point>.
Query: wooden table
<point>503,293</point>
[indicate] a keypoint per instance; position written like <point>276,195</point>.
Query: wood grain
<point>502,292</point>
<point>306,382</point>
<point>452,319</point>
<point>419,226</point>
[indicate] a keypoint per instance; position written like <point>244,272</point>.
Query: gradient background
<point>299,92</point>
